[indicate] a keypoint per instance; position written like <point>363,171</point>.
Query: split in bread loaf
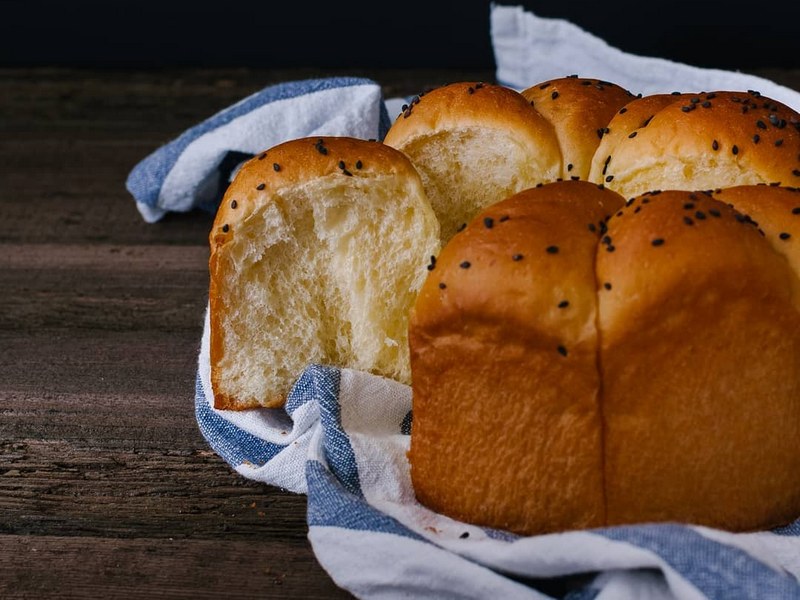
<point>317,253</point>
<point>570,370</point>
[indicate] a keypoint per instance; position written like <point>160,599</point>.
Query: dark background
<point>376,34</point>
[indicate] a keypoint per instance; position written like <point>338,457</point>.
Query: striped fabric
<point>342,440</point>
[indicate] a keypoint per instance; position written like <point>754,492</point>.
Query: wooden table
<point>107,488</point>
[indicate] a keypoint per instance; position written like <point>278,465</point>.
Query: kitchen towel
<point>343,435</point>
<point>193,170</point>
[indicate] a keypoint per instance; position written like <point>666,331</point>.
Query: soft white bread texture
<point>577,362</point>
<point>475,144</point>
<point>699,141</point>
<point>317,253</point>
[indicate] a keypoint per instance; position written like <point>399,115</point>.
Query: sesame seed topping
<point>715,145</point>
<point>714,213</point>
<point>569,167</point>
<point>234,204</point>
<point>592,227</point>
<point>756,138</point>
<point>563,304</point>
<point>735,149</point>
<point>778,142</point>
<point>632,135</point>
<point>760,124</point>
<point>784,236</point>
<point>276,166</point>
<point>623,110</point>
<point>552,249</point>
<point>341,164</point>
<point>562,350</point>
<point>359,164</point>
<point>261,186</point>
<point>226,228</point>
<point>796,172</point>
<point>488,222</point>
<point>609,178</point>
<point>442,285</point>
<point>554,95</point>
<point>796,210</point>
<point>517,257</point>
<point>610,248</point>
<point>262,156</point>
<point>700,215</point>
<point>607,285</point>
<point>504,218</point>
<point>465,265</point>
<point>688,220</point>
<point>658,242</point>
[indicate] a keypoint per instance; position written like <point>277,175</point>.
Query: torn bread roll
<point>475,144</point>
<point>578,363</point>
<point>317,253</point>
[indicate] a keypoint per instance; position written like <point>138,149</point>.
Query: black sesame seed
<point>756,138</point>
<point>504,218</point>
<point>610,248</point>
<point>562,351</point>
<point>359,164</point>
<point>796,172</point>
<point>234,204</point>
<point>778,142</point>
<point>735,149</point>
<point>465,265</point>
<point>706,104</point>
<point>623,110</point>
<point>609,178</point>
<point>632,135</point>
<point>517,257</point>
<point>714,213</point>
<point>261,186</point>
<point>658,242</point>
<point>592,227</point>
<point>226,228</point>
<point>569,167</point>
<point>760,124</point>
<point>262,156</point>
<point>688,220</point>
<point>442,286</point>
<point>563,304</point>
<point>715,145</point>
<point>700,215</point>
<point>346,172</point>
<point>552,249</point>
<point>276,166</point>
<point>464,535</point>
<point>784,235</point>
<point>488,222</point>
<point>554,95</point>
<point>688,206</point>
<point>796,210</point>
<point>341,164</point>
<point>607,285</point>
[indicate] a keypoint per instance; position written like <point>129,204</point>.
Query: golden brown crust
<point>671,391</point>
<point>517,285</point>
<point>700,362</point>
<point>579,110</point>
<point>716,139</point>
<point>288,164</point>
<point>476,104</point>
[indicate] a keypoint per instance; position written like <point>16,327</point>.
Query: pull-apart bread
<point>475,144</point>
<point>577,362</point>
<point>317,253</point>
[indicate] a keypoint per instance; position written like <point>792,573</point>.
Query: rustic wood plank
<point>95,567</point>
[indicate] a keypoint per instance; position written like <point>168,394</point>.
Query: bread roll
<point>474,144</point>
<point>646,368</point>
<point>506,416</point>
<point>579,110</point>
<point>700,141</point>
<point>317,253</point>
<point>700,363</point>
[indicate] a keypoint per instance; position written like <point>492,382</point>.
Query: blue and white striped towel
<point>343,435</point>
